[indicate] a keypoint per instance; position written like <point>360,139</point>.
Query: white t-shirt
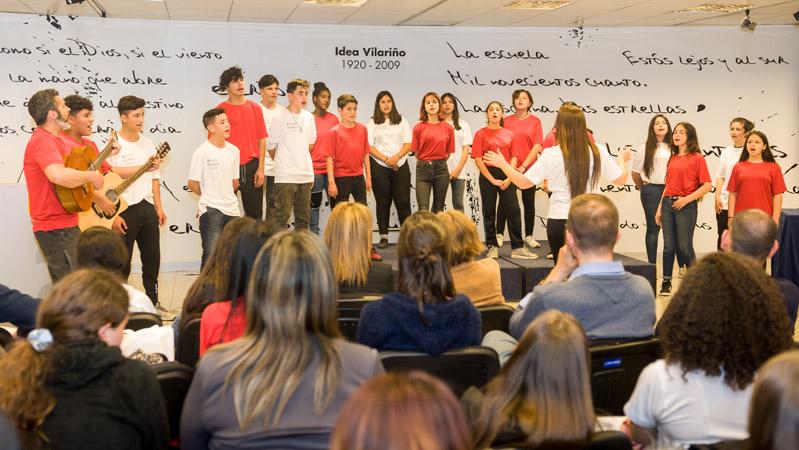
<point>215,169</point>
<point>659,162</point>
<point>462,137</point>
<point>696,410</point>
<point>389,139</point>
<point>729,158</point>
<point>550,167</point>
<point>290,135</point>
<point>134,154</point>
<point>269,114</point>
<point>138,301</point>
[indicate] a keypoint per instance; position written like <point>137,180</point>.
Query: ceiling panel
<point>59,7</point>
<point>455,11</point>
<point>14,6</point>
<point>388,12</point>
<point>574,12</point>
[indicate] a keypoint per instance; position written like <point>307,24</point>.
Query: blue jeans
<point>650,199</point>
<point>503,343</point>
<point>318,188</point>
<point>431,176</point>
<point>211,223</point>
<point>458,186</point>
<point>678,234</point>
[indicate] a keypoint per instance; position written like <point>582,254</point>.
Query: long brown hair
<point>774,410</point>
<point>766,155</point>
<point>544,388</point>
<point>423,112</point>
<point>577,150</point>
<point>348,235</point>
<point>394,117</point>
<point>430,418</point>
<point>691,139</point>
<point>77,307</point>
<point>652,143</point>
<point>291,322</point>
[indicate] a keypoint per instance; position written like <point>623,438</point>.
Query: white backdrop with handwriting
<point>621,76</point>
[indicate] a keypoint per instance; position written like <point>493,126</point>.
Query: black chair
<point>615,369</point>
<point>349,312</point>
<point>495,317</point>
<point>610,440</point>
<point>722,445</point>
<point>174,379</point>
<point>348,327</point>
<point>142,320</point>
<point>470,366</point>
<point>6,339</point>
<point>187,350</point>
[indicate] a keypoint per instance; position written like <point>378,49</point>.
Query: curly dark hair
<point>728,317</point>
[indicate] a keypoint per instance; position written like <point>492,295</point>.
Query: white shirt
<point>462,137</point>
<point>729,158</point>
<point>138,301</point>
<point>269,114</point>
<point>389,139</point>
<point>697,410</point>
<point>133,154</point>
<point>550,167</point>
<point>659,163</point>
<point>215,169</point>
<point>290,135</point>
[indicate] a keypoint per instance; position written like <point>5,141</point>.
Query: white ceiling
<point>487,13</point>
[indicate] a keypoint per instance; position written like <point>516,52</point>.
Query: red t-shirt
<point>551,141</point>
<point>213,321</point>
<point>323,127</point>
<point>246,128</point>
<point>509,143</point>
<point>348,147</point>
<point>685,173</point>
<point>104,167</point>
<point>529,128</point>
<point>756,184</point>
<point>46,211</point>
<point>433,141</point>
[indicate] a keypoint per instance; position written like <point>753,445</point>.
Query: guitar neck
<point>109,147</point>
<point>132,179</point>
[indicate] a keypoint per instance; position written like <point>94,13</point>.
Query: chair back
<point>141,320</point>
<point>722,445</point>
<point>349,313</point>
<point>187,350</point>
<point>615,369</point>
<point>461,368</point>
<point>174,379</point>
<point>610,440</point>
<point>495,317</point>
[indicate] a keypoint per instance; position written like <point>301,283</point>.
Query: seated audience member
<point>411,410</point>
<point>18,309</point>
<point>68,386</point>
<point>425,314</point>
<point>225,318</point>
<point>477,279</point>
<point>754,235</point>
<point>725,321</point>
<point>348,235</point>
<point>774,411</point>
<point>284,382</point>
<point>102,248</point>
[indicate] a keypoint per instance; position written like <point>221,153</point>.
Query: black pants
<point>270,195</point>
<point>60,249</point>
<point>556,236</point>
<point>721,224</point>
<point>528,202</point>
<point>142,222</point>
<point>507,200</point>
<point>431,176</point>
<point>391,185</point>
<point>355,185</point>
<point>251,197</point>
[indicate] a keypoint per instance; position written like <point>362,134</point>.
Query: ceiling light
<point>747,24</point>
<point>533,4</point>
<point>336,2</point>
<point>719,7</point>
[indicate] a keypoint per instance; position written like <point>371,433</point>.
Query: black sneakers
<point>665,288</point>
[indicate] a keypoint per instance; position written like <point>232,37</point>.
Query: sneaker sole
<point>524,257</point>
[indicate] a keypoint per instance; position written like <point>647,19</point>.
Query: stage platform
<point>520,276</point>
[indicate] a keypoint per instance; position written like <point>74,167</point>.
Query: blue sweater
<point>393,323</point>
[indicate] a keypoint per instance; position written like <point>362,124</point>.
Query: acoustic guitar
<point>82,158</point>
<point>113,186</point>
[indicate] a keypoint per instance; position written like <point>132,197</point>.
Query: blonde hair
<point>464,242</point>
<point>291,322</point>
<point>348,235</point>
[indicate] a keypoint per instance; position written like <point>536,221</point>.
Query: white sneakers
<point>532,243</point>
<point>522,253</point>
<point>500,239</point>
<point>493,252</point>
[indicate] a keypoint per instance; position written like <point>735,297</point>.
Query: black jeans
<point>251,197</point>
<point>507,198</point>
<point>142,222</point>
<point>270,195</point>
<point>355,185</point>
<point>212,221</point>
<point>721,224</point>
<point>556,236</point>
<point>391,185</point>
<point>60,249</point>
<point>528,202</point>
<point>431,176</point>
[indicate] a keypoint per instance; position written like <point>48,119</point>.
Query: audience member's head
<point>291,322</point>
<point>544,389</point>
<point>774,410</point>
<point>592,226</point>
<point>348,235</point>
<point>102,248</point>
<point>402,411</point>
<point>727,318</point>
<point>753,234</point>
<point>423,253</point>
<point>215,272</point>
<point>464,242</point>
<point>84,305</point>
